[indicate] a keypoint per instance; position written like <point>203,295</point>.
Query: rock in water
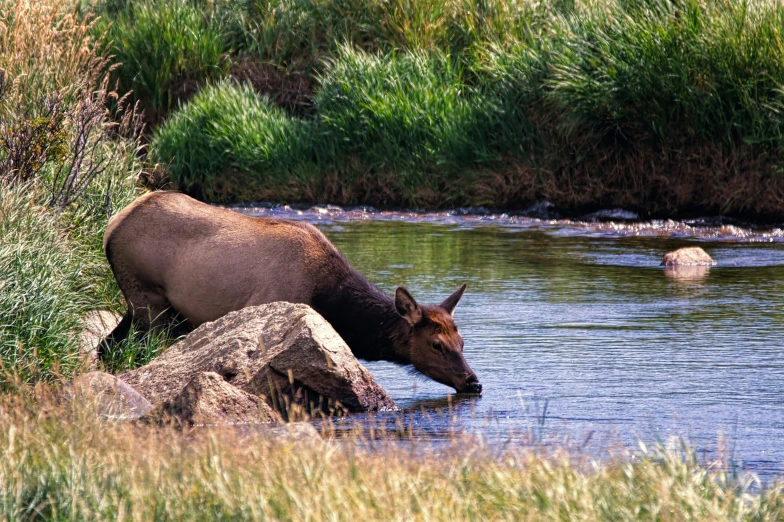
<point>112,397</point>
<point>208,400</point>
<point>688,256</point>
<point>285,353</point>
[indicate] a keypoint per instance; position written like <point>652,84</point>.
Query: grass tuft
<point>164,50</point>
<point>227,131</point>
<point>406,113</point>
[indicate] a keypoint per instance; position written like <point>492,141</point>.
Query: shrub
<point>228,129</point>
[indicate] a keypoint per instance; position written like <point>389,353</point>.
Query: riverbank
<point>668,109</point>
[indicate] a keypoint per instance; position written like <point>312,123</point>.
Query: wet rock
<point>285,353</point>
<point>208,400</point>
<point>614,214</point>
<point>112,397</point>
<point>541,210</point>
<point>95,326</point>
<point>688,256</point>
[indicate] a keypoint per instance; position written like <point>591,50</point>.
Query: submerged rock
<point>614,214</point>
<point>688,256</point>
<point>112,397</point>
<point>687,272</point>
<point>542,210</point>
<point>208,400</point>
<point>285,353</point>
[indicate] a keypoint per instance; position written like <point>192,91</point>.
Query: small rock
<point>208,400</point>
<point>95,326</point>
<point>112,397</point>
<point>688,256</point>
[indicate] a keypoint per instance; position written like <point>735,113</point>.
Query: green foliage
<point>292,32</point>
<point>53,271</point>
<point>407,112</point>
<point>674,70</point>
<point>300,32</point>
<point>410,114</point>
<point>42,291</point>
<point>228,129</point>
<point>421,95</point>
<point>165,50</point>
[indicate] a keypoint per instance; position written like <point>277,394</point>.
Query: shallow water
<point>578,335</point>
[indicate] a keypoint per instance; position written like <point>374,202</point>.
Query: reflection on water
<point>575,330</point>
<point>686,273</point>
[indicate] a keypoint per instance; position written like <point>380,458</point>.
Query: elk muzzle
<point>470,385</point>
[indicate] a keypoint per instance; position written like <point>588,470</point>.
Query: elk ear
<point>406,306</point>
<point>450,303</point>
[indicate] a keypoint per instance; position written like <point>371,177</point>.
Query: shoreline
<point>544,212</point>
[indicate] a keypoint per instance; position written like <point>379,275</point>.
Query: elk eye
<point>438,346</point>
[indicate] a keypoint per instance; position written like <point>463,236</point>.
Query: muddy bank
<point>663,184</point>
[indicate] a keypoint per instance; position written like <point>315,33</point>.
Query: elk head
<point>435,347</point>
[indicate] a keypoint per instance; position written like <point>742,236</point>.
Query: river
<point>579,336</point>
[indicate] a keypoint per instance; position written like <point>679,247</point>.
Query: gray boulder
<point>285,353</point>
<point>688,256</point>
<point>208,400</point>
<point>111,397</point>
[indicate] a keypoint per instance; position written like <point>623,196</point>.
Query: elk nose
<point>473,385</point>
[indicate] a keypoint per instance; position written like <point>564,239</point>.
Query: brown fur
<point>176,258</point>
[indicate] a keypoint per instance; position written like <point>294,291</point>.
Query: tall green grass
<point>407,112</point>
<point>410,115</point>
<point>674,70</point>
<point>52,272</point>
<point>296,32</point>
<point>164,50</point>
<point>481,102</point>
<point>42,290</point>
<point>227,132</point>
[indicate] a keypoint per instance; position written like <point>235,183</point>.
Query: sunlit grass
<point>227,130</point>
<point>668,71</point>
<point>70,464</point>
<point>406,113</point>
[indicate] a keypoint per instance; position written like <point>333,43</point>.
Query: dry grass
<point>64,463</point>
<point>47,47</point>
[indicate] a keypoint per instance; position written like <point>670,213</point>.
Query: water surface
<point>577,334</point>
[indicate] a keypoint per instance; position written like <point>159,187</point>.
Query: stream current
<point>577,334</point>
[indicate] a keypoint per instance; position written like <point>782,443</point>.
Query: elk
<point>175,258</point>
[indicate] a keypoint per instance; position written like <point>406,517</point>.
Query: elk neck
<point>364,317</point>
